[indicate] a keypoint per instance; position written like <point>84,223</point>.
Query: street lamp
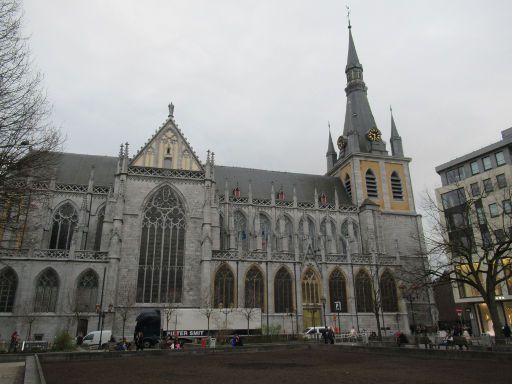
<point>323,300</point>
<point>101,313</point>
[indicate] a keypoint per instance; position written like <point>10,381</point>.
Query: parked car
<point>314,332</point>
<point>93,338</point>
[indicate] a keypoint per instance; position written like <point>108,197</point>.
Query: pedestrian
<point>139,341</point>
<point>506,331</point>
<point>13,347</point>
<point>331,335</point>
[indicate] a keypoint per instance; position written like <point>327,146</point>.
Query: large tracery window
<point>241,235</point>
<point>283,294</point>
<point>254,288</point>
<point>87,291</point>
<point>364,294</point>
<point>310,288</point>
<point>8,286</point>
<point>338,290</point>
<point>160,277</point>
<point>47,290</point>
<point>224,288</point>
<point>388,293</point>
<point>64,222</point>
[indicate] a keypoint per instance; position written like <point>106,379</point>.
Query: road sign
<point>337,306</point>
<point>459,311</point>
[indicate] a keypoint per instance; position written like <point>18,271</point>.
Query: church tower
<point>364,165</point>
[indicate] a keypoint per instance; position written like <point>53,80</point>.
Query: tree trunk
<point>248,326</point>
<point>496,321</point>
<point>377,317</point>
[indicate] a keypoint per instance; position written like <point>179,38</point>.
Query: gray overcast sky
<point>257,81</point>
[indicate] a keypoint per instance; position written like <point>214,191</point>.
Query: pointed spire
<point>330,144</point>
<point>394,131</point>
<point>395,141</point>
<point>352,59</point>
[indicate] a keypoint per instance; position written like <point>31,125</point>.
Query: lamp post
<point>101,314</point>
<point>291,321</point>
<point>323,300</point>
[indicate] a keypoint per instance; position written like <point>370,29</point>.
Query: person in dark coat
<point>139,340</point>
<point>506,331</point>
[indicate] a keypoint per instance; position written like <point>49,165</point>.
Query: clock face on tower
<point>342,142</point>
<point>373,134</point>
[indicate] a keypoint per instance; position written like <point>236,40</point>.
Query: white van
<point>314,332</point>
<point>93,338</point>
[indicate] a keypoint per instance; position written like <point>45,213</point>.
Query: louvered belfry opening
<point>371,184</point>
<point>396,187</point>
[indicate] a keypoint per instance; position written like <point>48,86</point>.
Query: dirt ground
<point>277,367</point>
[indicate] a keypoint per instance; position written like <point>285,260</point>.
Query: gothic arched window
<point>338,290</point>
<point>64,222</point>
<point>396,186</point>
<point>8,286</point>
<point>87,292</point>
<point>162,249</point>
<point>264,231</point>
<point>99,228</point>
<point>224,288</point>
<point>371,184</point>
<point>388,292</point>
<point>254,288</point>
<point>327,228</point>
<point>283,294</point>
<point>364,293</point>
<point>310,288</point>
<point>241,235</point>
<point>47,291</point>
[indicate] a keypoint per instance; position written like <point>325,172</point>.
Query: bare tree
<point>26,311</point>
<point>27,137</point>
<point>124,312</point>
<point>170,310</point>
<point>74,306</point>
<point>249,311</point>
<point>472,242</point>
<point>207,307</point>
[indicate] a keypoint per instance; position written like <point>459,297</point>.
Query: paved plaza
<point>319,365</point>
<point>12,373</point>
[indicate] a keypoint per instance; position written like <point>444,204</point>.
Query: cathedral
<point>158,227</point>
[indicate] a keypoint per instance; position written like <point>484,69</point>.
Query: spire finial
<point>329,125</point>
<point>391,109</point>
<point>348,16</point>
<point>171,110</point>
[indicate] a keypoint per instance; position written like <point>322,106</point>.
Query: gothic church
<point>163,227</point>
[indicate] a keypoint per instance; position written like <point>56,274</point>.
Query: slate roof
<point>75,168</point>
<point>261,184</point>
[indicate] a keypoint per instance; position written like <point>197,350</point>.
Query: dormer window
<point>236,192</point>
<point>323,199</point>
<point>280,196</point>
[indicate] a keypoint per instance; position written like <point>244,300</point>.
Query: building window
<point>283,294</point>
<point>254,288</point>
<point>65,220</point>
<point>388,294</point>
<point>264,231</point>
<point>493,210</point>
<point>502,182</point>
<point>87,292</point>
<point>99,228</point>
<point>500,158</point>
<point>47,290</point>
<point>488,185</point>
<point>487,163</point>
<point>453,198</point>
<point>507,207</point>
<point>475,169</point>
<point>162,249</point>
<point>396,187</point>
<point>371,184</point>
<point>8,286</point>
<point>338,290</point>
<point>224,288</point>
<point>364,294</point>
<point>475,189</point>
<point>455,175</point>
<point>480,215</point>
<point>241,238</point>
<point>348,186</point>
<point>310,288</point>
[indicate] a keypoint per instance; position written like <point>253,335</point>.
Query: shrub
<point>63,341</point>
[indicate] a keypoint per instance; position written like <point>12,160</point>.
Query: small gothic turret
<point>396,140</point>
<point>331,153</point>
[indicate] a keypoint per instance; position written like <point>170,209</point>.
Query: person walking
<point>506,332</point>
<point>13,346</point>
<point>139,341</point>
